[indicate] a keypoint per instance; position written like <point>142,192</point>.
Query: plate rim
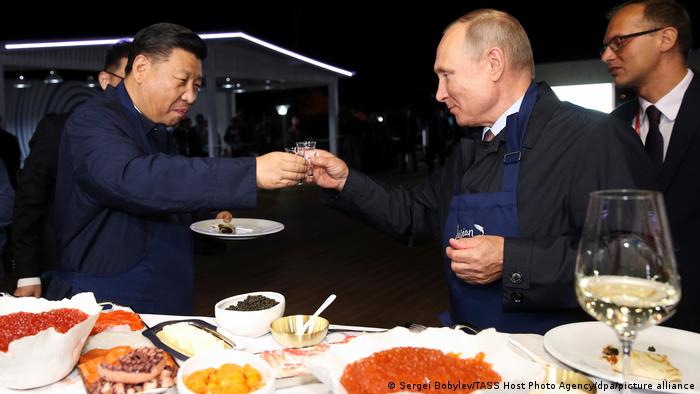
<point>597,373</point>
<point>193,227</point>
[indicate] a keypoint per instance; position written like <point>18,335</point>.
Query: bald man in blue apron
<point>509,202</point>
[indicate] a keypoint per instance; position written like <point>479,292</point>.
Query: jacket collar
<point>546,105</point>
<point>140,125</point>
<point>685,130</point>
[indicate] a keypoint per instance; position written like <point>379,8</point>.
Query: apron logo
<point>468,233</point>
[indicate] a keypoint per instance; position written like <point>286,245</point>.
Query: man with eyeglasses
<point>645,48</point>
<point>34,238</point>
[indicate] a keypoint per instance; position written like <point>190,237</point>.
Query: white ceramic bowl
<point>220,357</point>
<point>248,323</point>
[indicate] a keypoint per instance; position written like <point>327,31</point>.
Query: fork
<point>470,329</point>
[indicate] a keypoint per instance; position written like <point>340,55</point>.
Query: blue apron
<point>491,214</point>
<point>160,282</point>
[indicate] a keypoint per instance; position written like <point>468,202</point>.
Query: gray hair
<point>487,28</point>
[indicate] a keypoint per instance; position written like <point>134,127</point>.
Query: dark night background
<point>390,46</point>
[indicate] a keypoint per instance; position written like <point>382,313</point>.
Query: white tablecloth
<point>73,384</point>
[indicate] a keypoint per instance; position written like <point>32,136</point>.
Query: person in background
<point>510,201</point>
<point>201,129</point>
<point>10,154</point>
<point>34,236</point>
<point>646,47</point>
<point>232,137</point>
<point>123,206</point>
<point>7,197</point>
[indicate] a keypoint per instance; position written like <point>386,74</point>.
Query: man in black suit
<point>646,47</point>
<point>34,238</point>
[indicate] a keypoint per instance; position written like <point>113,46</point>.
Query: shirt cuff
<point>22,282</point>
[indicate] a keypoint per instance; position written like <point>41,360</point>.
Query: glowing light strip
<point>64,44</point>
<point>207,36</point>
<point>215,36</point>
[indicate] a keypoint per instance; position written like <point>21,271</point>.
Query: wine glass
<point>626,272</point>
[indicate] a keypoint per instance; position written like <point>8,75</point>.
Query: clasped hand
<point>477,260</point>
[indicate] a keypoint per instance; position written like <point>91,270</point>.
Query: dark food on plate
<point>139,366</point>
<point>126,370</point>
<point>22,324</point>
<point>253,303</point>
<point>610,353</point>
<point>227,228</point>
<point>417,365</point>
<point>117,318</point>
<point>644,364</point>
<point>228,378</point>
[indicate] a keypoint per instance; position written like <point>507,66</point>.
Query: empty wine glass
<point>626,272</point>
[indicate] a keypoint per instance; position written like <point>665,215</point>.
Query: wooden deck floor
<point>379,281</point>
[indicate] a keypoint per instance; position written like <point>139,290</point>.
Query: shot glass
<point>293,150</point>
<point>307,149</point>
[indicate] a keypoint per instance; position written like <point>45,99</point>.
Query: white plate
<point>580,345</point>
<point>246,228</point>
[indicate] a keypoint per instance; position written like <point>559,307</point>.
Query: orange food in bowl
<point>227,379</point>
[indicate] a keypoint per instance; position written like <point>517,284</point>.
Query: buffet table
<point>72,384</point>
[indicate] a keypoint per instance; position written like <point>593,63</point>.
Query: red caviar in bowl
<point>419,369</point>
<point>22,324</point>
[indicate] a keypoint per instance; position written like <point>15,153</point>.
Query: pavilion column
<point>333,117</point>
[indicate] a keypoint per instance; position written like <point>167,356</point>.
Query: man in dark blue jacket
<point>122,205</point>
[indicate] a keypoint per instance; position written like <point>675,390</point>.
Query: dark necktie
<point>488,136</point>
<point>654,143</point>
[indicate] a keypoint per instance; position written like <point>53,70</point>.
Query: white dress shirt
<point>668,105</point>
<point>500,123</point>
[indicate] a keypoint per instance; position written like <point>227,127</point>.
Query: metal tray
<point>152,332</point>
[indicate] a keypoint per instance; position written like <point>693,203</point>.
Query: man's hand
<point>330,172</point>
<point>477,260</point>
<point>226,215</point>
<point>276,170</point>
<point>28,291</point>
